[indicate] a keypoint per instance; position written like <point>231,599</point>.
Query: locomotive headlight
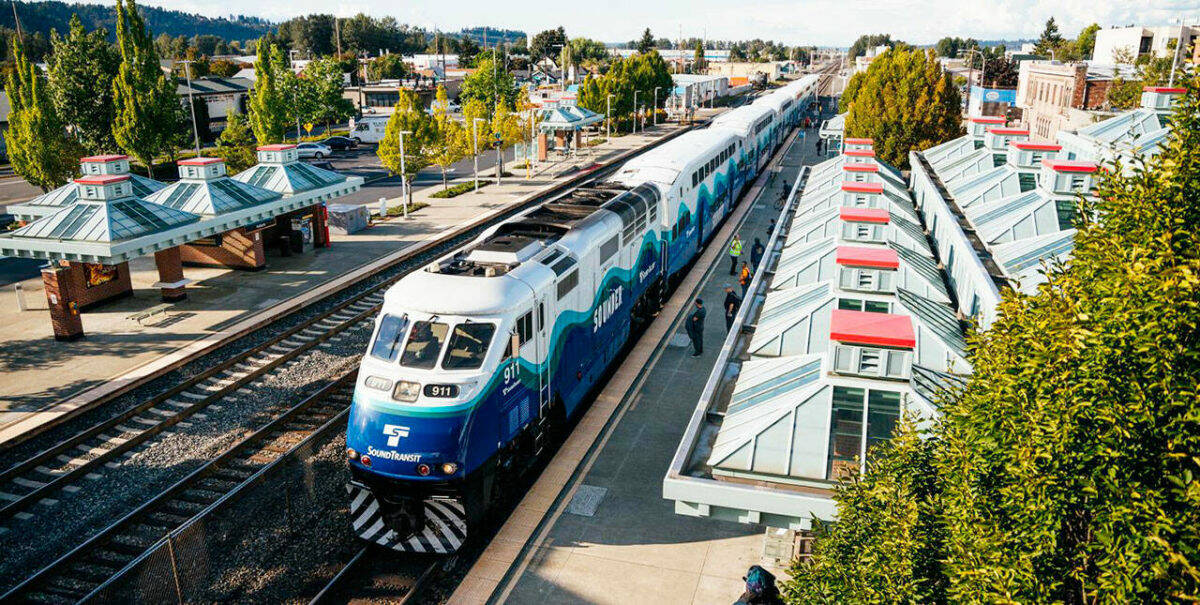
<point>377,383</point>
<point>351,454</point>
<point>450,468</point>
<point>406,391</point>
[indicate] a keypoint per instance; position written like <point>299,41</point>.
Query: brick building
<point>1059,96</point>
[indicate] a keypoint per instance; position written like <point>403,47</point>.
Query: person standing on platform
<point>732,302</point>
<point>695,328</point>
<point>735,253</point>
<point>770,228</point>
<point>744,279</point>
<point>756,253</point>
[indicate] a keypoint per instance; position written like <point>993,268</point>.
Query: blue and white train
<point>479,359</point>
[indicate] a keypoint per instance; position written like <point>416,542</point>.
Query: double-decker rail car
<point>751,124</point>
<point>477,360</point>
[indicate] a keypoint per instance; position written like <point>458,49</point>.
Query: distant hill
<point>492,35</point>
<point>41,17</point>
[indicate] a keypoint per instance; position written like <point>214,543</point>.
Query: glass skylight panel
<point>938,317</point>
<point>239,197</point>
<point>923,265</point>
<point>1035,256</point>
<point>1007,208</point>
<point>775,386</point>
<point>261,175</point>
<point>75,218</point>
<point>799,302</point>
<point>180,196</point>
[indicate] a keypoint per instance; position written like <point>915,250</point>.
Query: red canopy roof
<point>199,161</point>
<point>860,153</point>
<point>865,328</point>
<point>861,256</point>
<point>1070,166</point>
<point>860,167</point>
<point>101,179</point>
<point>989,120</point>
<point>860,141</point>
<point>866,215</point>
<point>1164,89</point>
<point>276,147</point>
<point>112,157</point>
<point>1009,131</point>
<point>853,187</point>
<point>1035,146</point>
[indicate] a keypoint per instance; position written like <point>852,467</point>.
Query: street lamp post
<point>635,108</point>
<point>296,101</point>
<point>475,146</point>
<point>187,64</point>
<point>608,121</point>
<point>1175,57</point>
<point>405,190</point>
<point>655,108</point>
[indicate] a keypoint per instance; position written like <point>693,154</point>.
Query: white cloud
<point>823,22</point>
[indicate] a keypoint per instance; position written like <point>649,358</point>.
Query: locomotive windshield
<point>468,346</point>
<point>387,341</point>
<point>424,344</point>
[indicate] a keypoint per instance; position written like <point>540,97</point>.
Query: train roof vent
<point>508,249</point>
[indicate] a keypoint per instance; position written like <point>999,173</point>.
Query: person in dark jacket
<point>695,328</point>
<point>732,302</point>
<point>760,588</point>
<point>756,253</point>
<point>770,228</point>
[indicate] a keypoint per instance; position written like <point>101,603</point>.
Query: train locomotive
<point>479,360</point>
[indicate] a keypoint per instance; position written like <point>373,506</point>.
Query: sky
<point>817,22</point>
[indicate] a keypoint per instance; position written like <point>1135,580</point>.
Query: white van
<point>368,129</point>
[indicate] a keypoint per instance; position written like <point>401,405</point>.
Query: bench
<point>147,313</point>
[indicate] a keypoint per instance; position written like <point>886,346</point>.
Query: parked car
<point>340,143</point>
<point>314,150</point>
<point>451,107</point>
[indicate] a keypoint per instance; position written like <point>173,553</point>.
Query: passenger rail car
<point>479,359</point>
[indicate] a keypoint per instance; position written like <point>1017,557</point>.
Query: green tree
<point>223,68</point>
<point>387,67</point>
<point>1085,43</point>
<point>419,143</point>
<point>906,102</point>
<point>81,71</point>
<point>268,105</point>
<point>867,42</point>
<point>148,115</point>
<point>451,142</point>
<point>1050,38</point>
<point>646,44</point>
<point>851,90</point>
<point>490,84</point>
<point>699,63</point>
<point>38,146</point>
<point>236,144</point>
<point>326,82</point>
<point>889,538</point>
<point>547,44</point>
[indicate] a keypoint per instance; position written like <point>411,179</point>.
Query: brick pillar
<point>170,274</point>
<point>543,143</point>
<point>578,139</point>
<point>64,310</point>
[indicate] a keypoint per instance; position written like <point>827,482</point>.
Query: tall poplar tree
<point>38,146</point>
<point>419,143</point>
<point>451,142</point>
<point>906,102</point>
<point>268,107</point>
<point>148,114</point>
<point>81,71</point>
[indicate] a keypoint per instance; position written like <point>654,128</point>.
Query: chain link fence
<point>197,562</point>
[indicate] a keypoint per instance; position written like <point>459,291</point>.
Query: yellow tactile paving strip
<point>490,580</point>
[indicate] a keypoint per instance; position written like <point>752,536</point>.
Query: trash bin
<point>285,245</point>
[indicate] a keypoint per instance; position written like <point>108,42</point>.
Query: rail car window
<point>568,283</point>
<point>525,327</point>
<point>387,341</point>
<point>608,249</point>
<point>424,344</point>
<point>468,346</point>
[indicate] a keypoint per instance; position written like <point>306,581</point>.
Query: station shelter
<point>50,202</point>
<point>563,120</point>
<point>206,218</point>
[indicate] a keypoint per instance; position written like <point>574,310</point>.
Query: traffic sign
<point>308,126</point>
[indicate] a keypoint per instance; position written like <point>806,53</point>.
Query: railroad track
<point>87,568</point>
<point>383,579</point>
<point>69,464</point>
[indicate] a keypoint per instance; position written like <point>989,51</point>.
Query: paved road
<point>13,270</point>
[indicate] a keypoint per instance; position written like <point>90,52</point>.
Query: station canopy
<point>279,169</point>
<point>50,202</point>
<point>205,189</point>
<point>567,117</point>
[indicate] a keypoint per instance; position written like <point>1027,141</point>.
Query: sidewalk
<point>595,528</point>
<point>40,372</point>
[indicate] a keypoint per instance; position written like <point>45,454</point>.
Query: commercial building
<point>222,96</point>
<point>761,72</point>
<point>1137,40</point>
<point>1056,96</point>
<point>694,90</point>
<point>206,218</point>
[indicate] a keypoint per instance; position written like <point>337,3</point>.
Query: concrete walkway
<point>42,375</point>
<point>594,528</point>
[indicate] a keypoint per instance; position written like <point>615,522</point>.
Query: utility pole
<point>1174,58</point>
<point>337,33</point>
<point>187,72</point>
<point>295,98</point>
<point>635,108</point>
<point>655,108</point>
<point>608,122</point>
<point>475,147</point>
<point>405,190</point>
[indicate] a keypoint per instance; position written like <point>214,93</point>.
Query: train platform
<point>595,528</point>
<point>46,380</point>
